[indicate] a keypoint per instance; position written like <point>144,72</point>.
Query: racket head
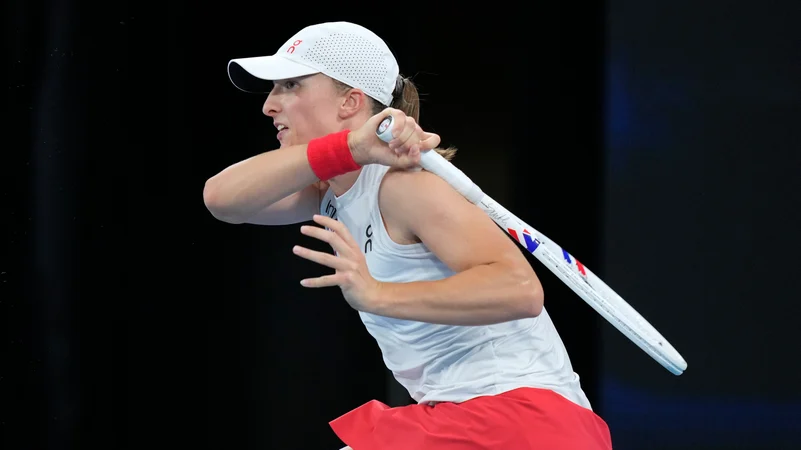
<point>589,287</point>
<point>619,312</point>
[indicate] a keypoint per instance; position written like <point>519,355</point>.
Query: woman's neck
<point>342,183</point>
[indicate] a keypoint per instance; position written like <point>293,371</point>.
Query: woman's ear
<point>353,101</point>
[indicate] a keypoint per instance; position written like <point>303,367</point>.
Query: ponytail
<point>406,98</point>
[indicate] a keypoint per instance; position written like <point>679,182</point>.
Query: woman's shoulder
<point>413,191</point>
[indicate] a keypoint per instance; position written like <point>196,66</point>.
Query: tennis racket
<point>565,266</point>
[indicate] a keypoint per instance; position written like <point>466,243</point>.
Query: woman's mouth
<point>282,131</point>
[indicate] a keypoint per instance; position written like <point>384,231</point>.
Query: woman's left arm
<point>494,282</point>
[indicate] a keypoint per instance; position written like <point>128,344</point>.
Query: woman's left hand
<point>350,265</point>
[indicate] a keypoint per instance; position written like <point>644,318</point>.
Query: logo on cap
<point>291,48</point>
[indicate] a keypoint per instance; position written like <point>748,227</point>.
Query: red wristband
<point>330,156</point>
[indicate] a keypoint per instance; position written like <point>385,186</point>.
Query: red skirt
<point>521,419</point>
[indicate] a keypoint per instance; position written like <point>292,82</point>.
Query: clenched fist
<point>402,152</point>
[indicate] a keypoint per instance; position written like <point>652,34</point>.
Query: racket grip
<point>433,162</point>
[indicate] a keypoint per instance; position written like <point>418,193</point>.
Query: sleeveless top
<point>446,363</point>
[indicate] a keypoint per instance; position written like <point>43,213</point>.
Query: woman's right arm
<point>280,187</point>
<point>275,187</point>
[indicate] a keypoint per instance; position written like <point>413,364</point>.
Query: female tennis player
<point>453,304</point>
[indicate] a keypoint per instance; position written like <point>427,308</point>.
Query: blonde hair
<point>406,98</point>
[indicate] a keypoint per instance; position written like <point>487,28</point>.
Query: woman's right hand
<point>402,152</point>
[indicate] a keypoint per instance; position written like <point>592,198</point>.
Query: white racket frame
<point>588,286</point>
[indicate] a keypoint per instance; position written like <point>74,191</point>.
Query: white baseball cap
<point>344,51</point>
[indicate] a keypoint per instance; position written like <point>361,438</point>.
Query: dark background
<point>702,211</point>
<point>659,144</point>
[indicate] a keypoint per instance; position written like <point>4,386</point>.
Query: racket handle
<point>433,162</point>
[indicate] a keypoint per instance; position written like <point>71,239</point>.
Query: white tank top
<point>439,363</point>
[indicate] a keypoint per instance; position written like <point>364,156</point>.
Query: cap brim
<point>256,74</point>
